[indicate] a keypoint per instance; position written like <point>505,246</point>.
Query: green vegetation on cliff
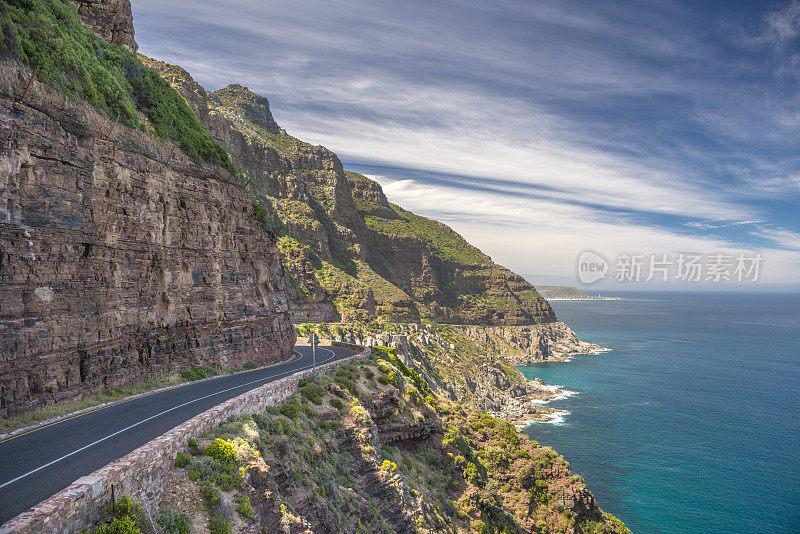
<point>371,448</point>
<point>49,36</point>
<point>439,238</point>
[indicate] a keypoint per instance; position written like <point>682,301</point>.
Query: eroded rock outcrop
<point>110,19</point>
<point>521,345</point>
<point>121,258</point>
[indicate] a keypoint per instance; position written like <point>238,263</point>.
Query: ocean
<point>692,422</point>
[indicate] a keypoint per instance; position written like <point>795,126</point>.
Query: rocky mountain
<point>351,254</point>
<point>121,257</point>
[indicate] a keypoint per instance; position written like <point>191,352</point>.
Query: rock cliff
<point>110,19</point>
<point>120,257</point>
<point>352,255</point>
<point>522,345</point>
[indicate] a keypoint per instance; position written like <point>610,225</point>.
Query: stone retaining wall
<point>141,473</point>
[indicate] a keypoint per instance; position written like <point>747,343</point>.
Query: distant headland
<point>568,293</point>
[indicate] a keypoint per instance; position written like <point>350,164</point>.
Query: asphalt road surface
<point>42,462</point>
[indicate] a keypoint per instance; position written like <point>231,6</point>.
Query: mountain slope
<point>352,255</point>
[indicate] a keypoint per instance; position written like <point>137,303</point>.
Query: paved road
<point>38,464</point>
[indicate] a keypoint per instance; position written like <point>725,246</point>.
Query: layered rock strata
<point>119,257</point>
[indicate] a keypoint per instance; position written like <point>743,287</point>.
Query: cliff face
<point>121,258</point>
<point>110,19</point>
<point>352,255</point>
<point>521,345</point>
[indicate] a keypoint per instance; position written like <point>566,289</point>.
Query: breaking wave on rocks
<point>563,394</point>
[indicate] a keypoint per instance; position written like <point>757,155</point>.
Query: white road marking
<point>76,451</point>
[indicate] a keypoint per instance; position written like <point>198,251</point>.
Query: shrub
<point>199,372</point>
<point>313,392</point>
<point>182,459</point>
<point>337,403</point>
<point>120,525</point>
<point>250,365</point>
<point>472,474</point>
<point>290,410</point>
<point>223,452</point>
<point>508,433</point>
<point>204,468</point>
<point>219,525</point>
<point>244,507</point>
<point>210,493</point>
<point>194,447</point>
<point>125,506</point>
<point>388,465</point>
<point>347,383</point>
<point>125,518</point>
<point>172,522</point>
<point>527,475</point>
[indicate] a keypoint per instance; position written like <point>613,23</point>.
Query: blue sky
<point>536,129</point>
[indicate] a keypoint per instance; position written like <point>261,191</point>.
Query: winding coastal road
<point>37,464</point>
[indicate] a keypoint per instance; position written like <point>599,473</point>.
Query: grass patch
<point>49,36</point>
<point>200,372</point>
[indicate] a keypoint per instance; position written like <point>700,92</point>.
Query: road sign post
<point>314,341</point>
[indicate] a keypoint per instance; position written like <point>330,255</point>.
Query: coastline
<point>583,298</point>
<point>541,414</point>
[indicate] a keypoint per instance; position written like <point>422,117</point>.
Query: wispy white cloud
<point>603,125</point>
<point>544,237</point>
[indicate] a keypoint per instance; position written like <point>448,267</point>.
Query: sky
<point>538,130</point>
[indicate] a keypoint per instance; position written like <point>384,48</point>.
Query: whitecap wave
<point>554,418</point>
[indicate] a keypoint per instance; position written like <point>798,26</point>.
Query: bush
<point>313,392</point>
<point>172,522</point>
<point>125,518</point>
<point>219,525</point>
<point>125,506</point>
<point>388,465</point>
<point>337,403</point>
<point>210,493</point>
<point>194,447</point>
<point>204,468</point>
<point>49,36</point>
<point>473,474</point>
<point>290,410</point>
<point>182,459</point>
<point>347,383</point>
<point>244,508</point>
<point>121,525</point>
<point>251,364</point>
<point>199,372</point>
<point>222,451</point>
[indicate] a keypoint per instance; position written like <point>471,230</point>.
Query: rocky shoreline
<point>476,365</point>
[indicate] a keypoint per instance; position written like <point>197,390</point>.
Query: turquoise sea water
<point>692,422</point>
